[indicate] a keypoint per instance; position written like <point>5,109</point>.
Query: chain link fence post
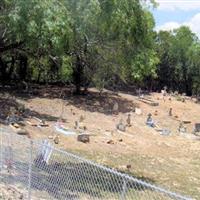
<point>30,169</point>
<point>124,188</point>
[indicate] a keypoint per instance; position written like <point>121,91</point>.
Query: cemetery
<point>159,143</point>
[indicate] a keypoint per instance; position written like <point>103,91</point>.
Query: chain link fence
<point>44,172</point>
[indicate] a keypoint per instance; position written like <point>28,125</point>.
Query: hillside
<point>171,161</point>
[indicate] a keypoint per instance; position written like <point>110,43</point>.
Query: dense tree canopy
<point>88,42</point>
<point>179,63</point>
<point>94,43</point>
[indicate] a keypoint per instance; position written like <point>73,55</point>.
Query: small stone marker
<point>181,128</point>
<point>110,142</point>
<point>165,132</point>
<point>150,121</point>
<point>50,137</point>
<point>120,126</point>
<point>128,167</point>
<point>116,107</point>
<point>170,112</point>
<point>128,121</point>
<point>83,138</point>
<point>56,139</point>
<point>197,127</point>
<point>81,119</point>
<point>138,111</point>
<point>76,125</point>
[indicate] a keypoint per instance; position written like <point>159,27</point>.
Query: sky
<point>171,14</point>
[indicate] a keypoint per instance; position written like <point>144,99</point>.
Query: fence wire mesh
<point>44,172</point>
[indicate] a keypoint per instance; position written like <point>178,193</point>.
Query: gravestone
<point>170,112</point>
<point>120,126</point>
<point>181,128</point>
<point>138,111</point>
<point>116,108</point>
<point>83,138</point>
<point>150,121</point>
<point>128,120</point>
<point>197,127</point>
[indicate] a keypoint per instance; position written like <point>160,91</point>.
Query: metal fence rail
<point>44,172</point>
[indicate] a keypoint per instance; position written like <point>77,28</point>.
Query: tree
<point>184,38</point>
<point>166,67</point>
<point>109,38</point>
<point>194,67</point>
<point>102,41</point>
<point>176,50</point>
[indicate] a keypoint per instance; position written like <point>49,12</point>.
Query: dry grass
<point>172,161</point>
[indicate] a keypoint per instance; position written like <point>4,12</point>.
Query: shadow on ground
<point>75,179</point>
<point>10,107</point>
<point>91,101</point>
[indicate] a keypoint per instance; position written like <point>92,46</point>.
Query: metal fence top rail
<point>174,195</point>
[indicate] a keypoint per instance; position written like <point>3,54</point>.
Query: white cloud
<point>193,23</point>
<point>173,5</point>
<point>168,26</point>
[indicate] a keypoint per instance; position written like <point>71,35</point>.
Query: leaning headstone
<point>44,153</point>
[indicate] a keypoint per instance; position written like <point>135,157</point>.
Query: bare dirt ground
<point>172,161</point>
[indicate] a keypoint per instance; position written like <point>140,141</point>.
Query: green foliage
<point>65,72</point>
<point>87,41</point>
<point>179,60</point>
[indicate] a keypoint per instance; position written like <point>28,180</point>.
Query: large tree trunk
<point>77,75</point>
<point>23,68</point>
<point>3,73</point>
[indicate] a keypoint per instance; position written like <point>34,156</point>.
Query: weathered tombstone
<point>165,132</point>
<point>150,121</point>
<point>170,112</point>
<point>164,91</point>
<point>44,154</point>
<point>83,138</point>
<point>181,128</point>
<point>81,119</point>
<point>139,92</point>
<point>197,127</point>
<point>116,108</point>
<point>56,139</point>
<point>176,93</point>
<point>138,111</point>
<point>128,120</point>
<point>76,125</point>
<point>120,126</point>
